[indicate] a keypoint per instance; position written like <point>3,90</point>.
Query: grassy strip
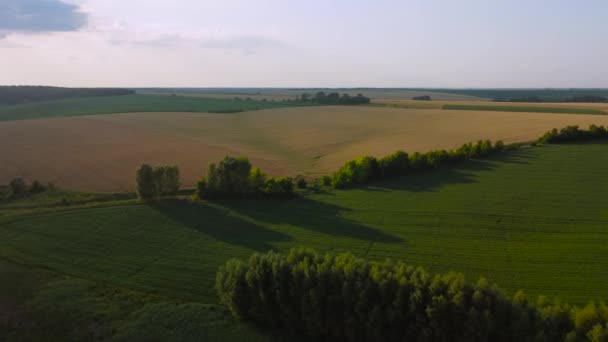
<point>532,109</point>
<point>134,103</point>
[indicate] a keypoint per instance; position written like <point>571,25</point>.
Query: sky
<point>315,43</point>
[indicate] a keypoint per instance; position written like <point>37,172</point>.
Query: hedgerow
<point>366,169</point>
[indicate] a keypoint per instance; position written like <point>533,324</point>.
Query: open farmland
<point>377,94</point>
<point>101,153</point>
<point>533,219</point>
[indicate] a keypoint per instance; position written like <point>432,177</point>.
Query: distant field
<point>129,103</point>
<point>537,109</point>
<point>281,94</point>
<point>534,219</point>
<point>101,153</point>
<point>557,107</point>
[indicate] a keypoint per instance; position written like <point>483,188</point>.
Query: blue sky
<point>467,43</point>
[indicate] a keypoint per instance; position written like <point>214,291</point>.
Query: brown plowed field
<point>101,153</point>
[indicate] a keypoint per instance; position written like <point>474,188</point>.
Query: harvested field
<point>101,152</point>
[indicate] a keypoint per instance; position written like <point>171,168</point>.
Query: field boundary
<point>525,109</point>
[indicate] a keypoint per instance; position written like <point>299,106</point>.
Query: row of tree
<point>366,169</point>
<point>18,188</point>
<point>343,298</point>
<point>333,99</point>
<point>573,134</point>
<point>236,178</point>
<point>155,182</point>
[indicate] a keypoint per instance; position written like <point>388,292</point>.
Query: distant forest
<point>10,95</point>
<point>333,99</point>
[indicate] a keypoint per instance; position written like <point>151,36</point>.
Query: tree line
<point>573,134</point>
<point>343,298</point>
<point>22,94</point>
<point>366,169</point>
<point>333,98</point>
<point>18,188</point>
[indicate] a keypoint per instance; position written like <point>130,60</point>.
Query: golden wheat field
<point>101,152</point>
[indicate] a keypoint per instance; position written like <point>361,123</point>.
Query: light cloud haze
<point>189,43</point>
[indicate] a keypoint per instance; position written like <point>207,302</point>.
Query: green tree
<point>17,186</point>
<point>167,180</point>
<point>146,183</point>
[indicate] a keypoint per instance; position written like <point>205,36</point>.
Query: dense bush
<point>301,182</point>
<point>155,182</point>
<point>17,187</point>
<point>365,169</point>
<point>235,178</point>
<point>357,171</point>
<point>279,187</point>
<point>343,298</point>
<point>573,134</point>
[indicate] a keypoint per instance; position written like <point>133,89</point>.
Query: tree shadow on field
<point>461,173</point>
<point>309,214</point>
<point>220,224</point>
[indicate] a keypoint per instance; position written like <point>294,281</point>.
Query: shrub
<point>36,187</point>
<point>279,187</point>
<point>17,187</point>
<point>301,182</point>
<point>343,298</point>
<point>326,180</point>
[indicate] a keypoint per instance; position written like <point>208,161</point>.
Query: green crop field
<point>534,219</point>
<point>131,103</point>
<point>532,109</point>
